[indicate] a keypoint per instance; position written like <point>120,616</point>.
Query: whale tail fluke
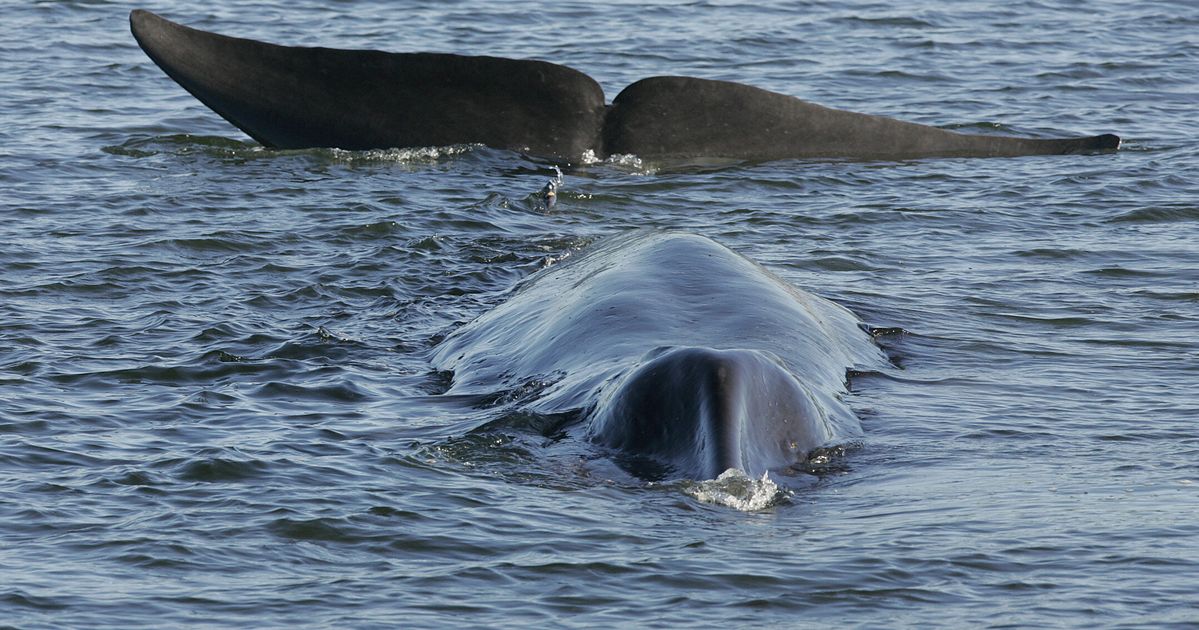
<point>300,97</point>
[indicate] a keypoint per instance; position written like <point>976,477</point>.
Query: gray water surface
<point>217,407</point>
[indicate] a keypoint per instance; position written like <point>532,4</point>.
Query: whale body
<point>302,97</point>
<point>675,350</point>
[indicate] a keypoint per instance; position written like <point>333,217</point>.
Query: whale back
<point>578,330</point>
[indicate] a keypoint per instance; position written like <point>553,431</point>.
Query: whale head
<point>701,411</point>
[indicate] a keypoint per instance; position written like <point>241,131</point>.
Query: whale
<point>290,97</point>
<point>674,353</point>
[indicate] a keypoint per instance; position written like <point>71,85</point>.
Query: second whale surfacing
<point>676,351</point>
<point>298,97</point>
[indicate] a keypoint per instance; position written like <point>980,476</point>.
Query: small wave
<point>343,392</point>
<point>182,144</point>
<point>1169,296</point>
<point>526,391</point>
<point>899,75</point>
<point>221,469</point>
<point>216,366</point>
<point>733,488</point>
<point>1122,272</point>
<point>135,478</point>
<point>1052,253</point>
<point>21,599</point>
<point>897,20</point>
<point>317,529</point>
<point>324,350</point>
<point>840,263</point>
<point>218,146</point>
<point>1168,214</point>
<point>983,127</point>
<point>227,242</point>
<point>377,230</point>
<point>503,455</point>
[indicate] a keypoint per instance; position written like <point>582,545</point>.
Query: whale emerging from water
<point>296,97</point>
<point>677,351</point>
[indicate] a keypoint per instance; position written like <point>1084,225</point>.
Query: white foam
<point>625,161</point>
<point>402,155</point>
<point>733,488</point>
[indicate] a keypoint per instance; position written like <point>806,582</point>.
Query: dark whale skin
<point>291,97</point>
<point>671,348</point>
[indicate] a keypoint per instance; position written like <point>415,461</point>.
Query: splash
<point>410,155</point>
<point>549,193</point>
<point>630,161</point>
<point>733,488</point>
<point>624,161</point>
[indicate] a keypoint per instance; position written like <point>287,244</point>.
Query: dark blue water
<point>217,407</point>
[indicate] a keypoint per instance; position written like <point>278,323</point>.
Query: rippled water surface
<point>217,407</point>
